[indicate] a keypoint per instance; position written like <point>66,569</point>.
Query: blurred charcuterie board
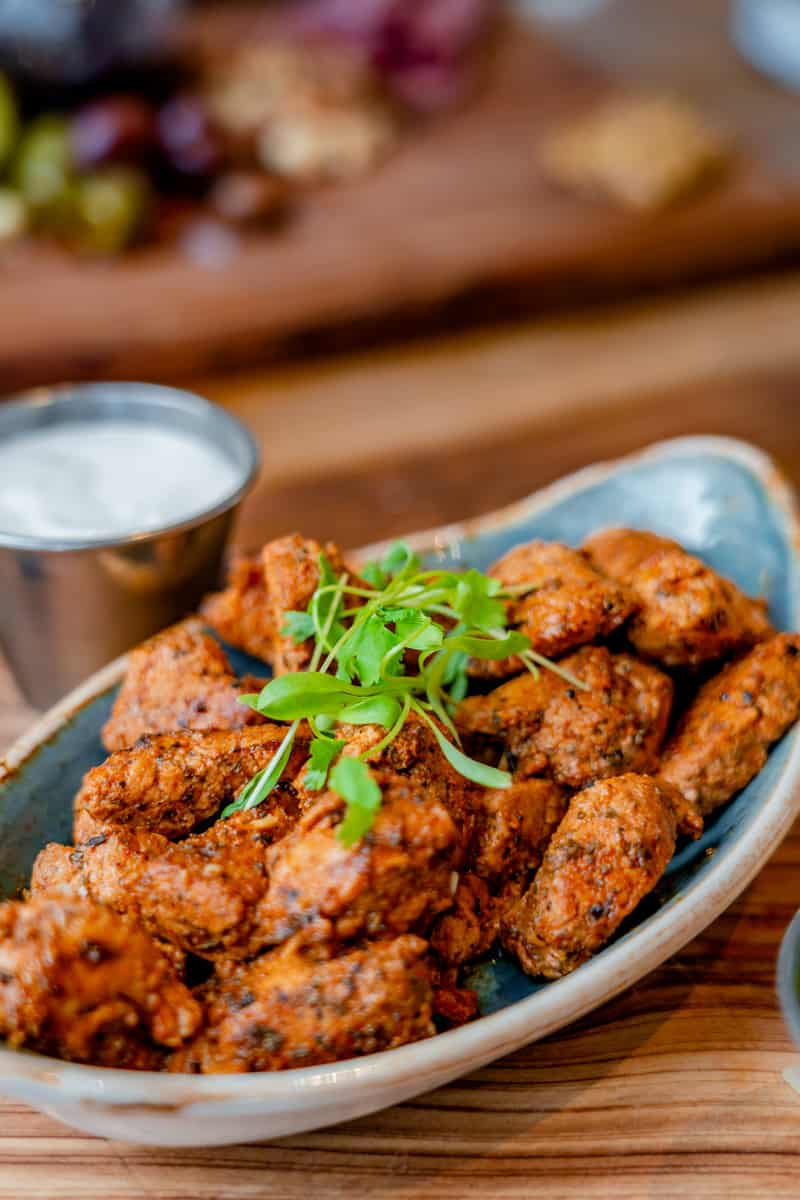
<point>459,220</point>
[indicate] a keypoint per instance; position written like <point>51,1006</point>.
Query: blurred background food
<point>338,169</point>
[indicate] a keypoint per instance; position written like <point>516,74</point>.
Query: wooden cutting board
<point>459,220</point>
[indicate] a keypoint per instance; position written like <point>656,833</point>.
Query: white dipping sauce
<point>107,479</point>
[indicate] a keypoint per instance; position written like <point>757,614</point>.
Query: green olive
<point>9,120</point>
<point>113,205</point>
<point>13,214</point>
<point>43,171</point>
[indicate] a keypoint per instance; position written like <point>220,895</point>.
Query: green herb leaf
<point>353,781</point>
<point>262,784</point>
<point>490,648</point>
<point>376,710</point>
<point>367,649</point>
<point>473,601</point>
<point>398,558</point>
<point>478,772</point>
<point>250,699</point>
<point>418,631</point>
<point>306,694</point>
<point>374,575</point>
<point>299,626</point>
<point>322,752</point>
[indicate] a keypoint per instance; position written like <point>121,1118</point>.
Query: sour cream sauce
<point>107,479</point>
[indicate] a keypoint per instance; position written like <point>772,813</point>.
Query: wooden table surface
<point>676,1088</point>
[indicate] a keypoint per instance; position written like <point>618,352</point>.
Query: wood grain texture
<point>459,222</point>
<point>674,1089</point>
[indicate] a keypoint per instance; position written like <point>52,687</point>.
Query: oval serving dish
<point>726,502</point>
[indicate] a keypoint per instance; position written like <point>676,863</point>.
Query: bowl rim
<point>564,1000</point>
<point>158,396</point>
<point>787,977</point>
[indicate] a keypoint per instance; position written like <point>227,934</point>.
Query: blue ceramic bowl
<point>722,499</point>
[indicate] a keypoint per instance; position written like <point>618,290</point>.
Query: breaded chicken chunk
<point>514,826</point>
<point>568,602</point>
<point>686,613</point>
<point>512,830</point>
<point>618,552</point>
<point>610,850</point>
<point>225,893</point>
<point>172,782</point>
<point>723,738</point>
<point>179,679</point>
<point>80,982</point>
<point>549,727</point>
<point>394,880</point>
<point>200,894</point>
<point>242,614</point>
<point>416,756</point>
<point>291,1009</point>
<point>291,567</point>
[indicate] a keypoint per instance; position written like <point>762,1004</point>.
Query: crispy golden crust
<point>569,603</point>
<point>514,826</point>
<point>549,727</point>
<point>78,981</point>
<point>469,929</point>
<point>609,851</point>
<point>241,614</point>
<point>722,740</point>
<point>201,894</point>
<point>618,552</point>
<point>289,1009</point>
<point>686,614</point>
<point>415,755</point>
<point>395,879</point>
<point>180,679</point>
<point>291,576</point>
<point>171,783</point>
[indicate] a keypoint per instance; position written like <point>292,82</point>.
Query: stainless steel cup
<point>68,606</point>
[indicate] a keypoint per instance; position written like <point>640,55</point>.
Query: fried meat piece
<point>241,614</point>
<point>78,981</point>
<point>569,603</point>
<point>291,1009</point>
<point>226,893</point>
<point>172,782</point>
<point>415,754</point>
<point>723,737</point>
<point>512,829</point>
<point>549,727</point>
<point>291,568</point>
<point>393,880</point>
<point>609,851</point>
<point>514,826</point>
<point>200,894</point>
<point>179,679</point>
<point>618,552</point>
<point>686,614</point>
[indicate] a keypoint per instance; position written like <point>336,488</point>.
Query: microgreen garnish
<point>360,672</point>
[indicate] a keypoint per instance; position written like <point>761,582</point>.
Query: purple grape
<point>113,130</point>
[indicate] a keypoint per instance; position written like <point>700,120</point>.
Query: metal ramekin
<point>67,606</point>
